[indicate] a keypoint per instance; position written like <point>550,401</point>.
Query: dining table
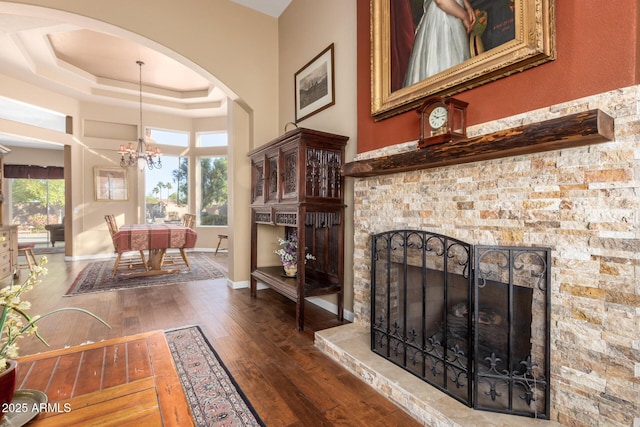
<point>156,239</point>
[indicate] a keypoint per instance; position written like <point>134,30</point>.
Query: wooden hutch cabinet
<point>297,184</point>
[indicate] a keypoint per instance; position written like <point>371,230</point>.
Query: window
<point>169,137</point>
<point>166,191</point>
<point>211,139</point>
<point>34,204</point>
<point>213,201</point>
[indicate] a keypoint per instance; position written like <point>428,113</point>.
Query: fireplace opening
<point>471,321</point>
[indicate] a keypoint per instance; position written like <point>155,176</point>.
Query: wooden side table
<point>221,237</point>
<point>26,249</point>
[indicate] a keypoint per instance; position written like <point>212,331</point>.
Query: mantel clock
<point>442,120</point>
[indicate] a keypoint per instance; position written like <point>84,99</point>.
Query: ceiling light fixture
<point>144,153</point>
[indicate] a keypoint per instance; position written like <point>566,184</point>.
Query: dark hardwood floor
<point>288,381</point>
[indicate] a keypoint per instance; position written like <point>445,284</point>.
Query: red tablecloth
<point>138,237</point>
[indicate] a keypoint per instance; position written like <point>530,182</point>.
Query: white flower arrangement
<point>289,251</point>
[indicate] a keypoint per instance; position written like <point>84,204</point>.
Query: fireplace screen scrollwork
<point>475,328</point>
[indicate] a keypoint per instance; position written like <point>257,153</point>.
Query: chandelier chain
<point>144,153</point>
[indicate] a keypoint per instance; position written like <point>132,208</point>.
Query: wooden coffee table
<point>124,381</point>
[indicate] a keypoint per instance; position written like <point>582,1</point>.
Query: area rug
<point>96,276</point>
<point>214,396</point>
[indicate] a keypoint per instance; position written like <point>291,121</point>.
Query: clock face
<point>438,117</point>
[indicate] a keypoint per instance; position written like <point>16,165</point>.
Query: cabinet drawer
<point>5,269</point>
<point>5,256</point>
<point>6,244</point>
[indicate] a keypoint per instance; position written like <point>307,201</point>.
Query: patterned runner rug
<point>96,276</point>
<point>214,396</point>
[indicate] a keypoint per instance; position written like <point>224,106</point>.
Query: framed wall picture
<point>111,184</point>
<point>314,85</point>
<point>496,39</point>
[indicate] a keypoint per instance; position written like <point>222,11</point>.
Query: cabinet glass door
<point>290,174</point>
<point>272,178</point>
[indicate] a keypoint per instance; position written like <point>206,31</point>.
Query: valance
<point>33,172</point>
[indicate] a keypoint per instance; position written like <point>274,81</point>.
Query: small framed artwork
<point>314,85</point>
<point>111,184</point>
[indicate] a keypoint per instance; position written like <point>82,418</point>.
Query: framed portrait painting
<point>111,184</point>
<point>314,85</point>
<point>418,50</point>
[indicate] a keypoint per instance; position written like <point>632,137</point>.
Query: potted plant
<point>289,254</point>
<point>15,323</point>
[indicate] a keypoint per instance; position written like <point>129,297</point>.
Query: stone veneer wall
<point>583,203</point>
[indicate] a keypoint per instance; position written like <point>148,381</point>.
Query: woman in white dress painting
<point>442,38</point>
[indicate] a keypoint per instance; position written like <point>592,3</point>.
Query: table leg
<point>155,261</point>
<point>156,258</point>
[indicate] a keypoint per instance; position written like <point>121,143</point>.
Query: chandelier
<point>144,153</point>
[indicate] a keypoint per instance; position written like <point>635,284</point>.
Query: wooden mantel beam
<point>575,130</point>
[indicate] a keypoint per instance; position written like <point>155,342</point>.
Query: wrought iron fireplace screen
<point>471,321</point>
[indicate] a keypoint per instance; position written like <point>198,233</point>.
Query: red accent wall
<point>596,50</point>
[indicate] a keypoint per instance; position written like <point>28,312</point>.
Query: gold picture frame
<point>111,184</point>
<point>531,24</point>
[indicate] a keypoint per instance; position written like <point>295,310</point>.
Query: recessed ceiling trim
<point>118,86</point>
<point>29,55</point>
<point>159,102</point>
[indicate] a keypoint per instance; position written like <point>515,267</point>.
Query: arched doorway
<point>67,23</point>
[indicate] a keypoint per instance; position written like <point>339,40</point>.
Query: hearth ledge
<point>350,346</point>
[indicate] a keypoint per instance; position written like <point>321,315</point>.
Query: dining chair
<point>188,220</point>
<point>26,249</point>
<point>129,262</point>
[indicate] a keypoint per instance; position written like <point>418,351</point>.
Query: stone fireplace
<point>583,203</point>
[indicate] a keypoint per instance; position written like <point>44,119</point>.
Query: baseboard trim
<point>241,284</point>
<point>331,307</point>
